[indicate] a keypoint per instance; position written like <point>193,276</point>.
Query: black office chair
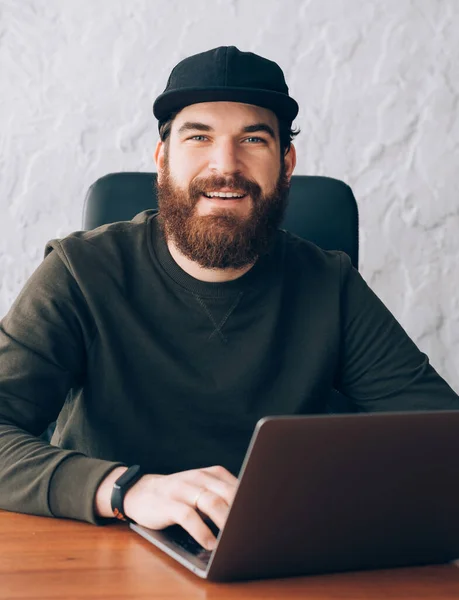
<point>321,209</point>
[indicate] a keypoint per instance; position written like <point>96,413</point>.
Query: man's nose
<point>224,159</point>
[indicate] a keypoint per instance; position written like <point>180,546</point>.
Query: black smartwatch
<point>120,487</point>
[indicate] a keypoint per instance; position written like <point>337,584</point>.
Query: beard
<point>222,239</point>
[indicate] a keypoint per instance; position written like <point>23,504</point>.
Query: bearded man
<point>158,343</point>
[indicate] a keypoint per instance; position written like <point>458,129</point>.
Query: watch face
<point>133,473</point>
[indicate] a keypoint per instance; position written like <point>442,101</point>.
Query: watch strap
<point>121,487</point>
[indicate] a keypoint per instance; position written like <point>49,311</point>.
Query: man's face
<point>218,149</point>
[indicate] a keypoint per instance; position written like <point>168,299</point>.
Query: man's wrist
<point>102,500</point>
<point>121,487</point>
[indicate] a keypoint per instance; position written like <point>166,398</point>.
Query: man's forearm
<point>41,479</point>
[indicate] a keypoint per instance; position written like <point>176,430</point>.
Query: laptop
<point>332,493</point>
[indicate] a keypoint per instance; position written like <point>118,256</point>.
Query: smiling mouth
<point>223,195</point>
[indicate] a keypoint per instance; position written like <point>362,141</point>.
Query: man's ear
<point>290,161</point>
<point>159,158</point>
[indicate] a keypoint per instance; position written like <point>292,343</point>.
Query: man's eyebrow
<point>193,126</point>
<point>260,127</point>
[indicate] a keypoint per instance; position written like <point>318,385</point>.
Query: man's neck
<point>201,273</point>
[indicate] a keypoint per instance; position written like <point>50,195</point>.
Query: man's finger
<point>221,473</point>
<point>214,506</point>
<point>220,488</point>
<point>189,519</point>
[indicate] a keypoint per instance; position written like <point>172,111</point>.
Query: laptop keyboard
<point>182,538</point>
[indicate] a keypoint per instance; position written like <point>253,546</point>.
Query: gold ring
<point>195,503</point>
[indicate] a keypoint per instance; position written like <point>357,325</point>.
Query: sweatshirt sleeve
<point>43,342</point>
<point>381,368</point>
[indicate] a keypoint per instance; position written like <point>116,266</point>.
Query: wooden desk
<point>58,559</point>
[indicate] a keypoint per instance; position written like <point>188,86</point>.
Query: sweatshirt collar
<point>258,276</point>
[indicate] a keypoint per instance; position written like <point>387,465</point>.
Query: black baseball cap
<point>226,73</point>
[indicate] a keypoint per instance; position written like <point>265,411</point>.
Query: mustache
<point>235,182</point>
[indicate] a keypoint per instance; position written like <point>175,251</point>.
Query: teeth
<point>223,195</point>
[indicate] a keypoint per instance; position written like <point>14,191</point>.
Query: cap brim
<point>285,107</point>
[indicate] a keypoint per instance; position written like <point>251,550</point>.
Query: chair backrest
<point>321,209</point>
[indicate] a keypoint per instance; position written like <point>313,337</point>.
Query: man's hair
<point>286,133</point>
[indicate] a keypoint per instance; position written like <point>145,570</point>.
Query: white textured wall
<point>378,87</point>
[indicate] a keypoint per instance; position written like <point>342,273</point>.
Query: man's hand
<point>157,501</point>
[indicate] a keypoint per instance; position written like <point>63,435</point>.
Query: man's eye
<point>255,139</point>
<point>198,138</point>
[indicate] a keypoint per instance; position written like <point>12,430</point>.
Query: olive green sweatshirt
<point>140,363</point>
